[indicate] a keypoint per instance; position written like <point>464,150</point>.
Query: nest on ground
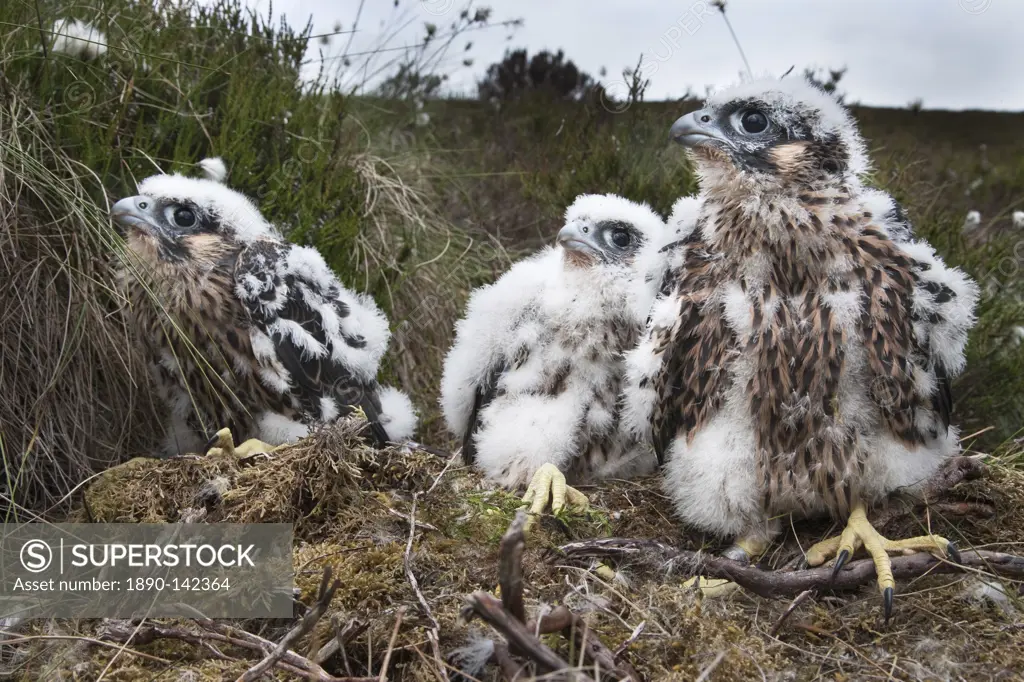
<point>399,604</point>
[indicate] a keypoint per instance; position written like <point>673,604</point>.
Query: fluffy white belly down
<point>713,478</point>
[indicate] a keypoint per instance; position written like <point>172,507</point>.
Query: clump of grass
<point>69,388</point>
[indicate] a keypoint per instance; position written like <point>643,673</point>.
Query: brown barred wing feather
<point>692,379</point>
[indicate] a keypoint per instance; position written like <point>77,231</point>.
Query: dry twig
<point>509,618</point>
<point>405,517</point>
<point>489,609</point>
<point>510,566</point>
<point>24,639</point>
<point>800,599</point>
<point>561,619</point>
<point>391,645</point>
<point>225,634</point>
<point>344,635</point>
<point>706,673</point>
<point>635,635</point>
<point>308,622</point>
<point>434,634</point>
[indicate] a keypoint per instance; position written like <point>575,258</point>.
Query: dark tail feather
<point>378,436</point>
<point>370,405</point>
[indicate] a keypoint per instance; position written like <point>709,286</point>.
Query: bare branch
<point>800,599</point>
<point>561,619</point>
<point>391,645</point>
<point>637,631</point>
<point>706,673</point>
<point>346,634</point>
<point>489,609</point>
<point>510,567</point>
<point>299,665</point>
<point>780,584</point>
<point>24,639</point>
<point>215,632</point>
<point>503,659</point>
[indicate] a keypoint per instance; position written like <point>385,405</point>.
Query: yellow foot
<point>223,443</point>
<point>548,484</point>
<point>605,572</point>
<point>746,549</point>
<point>711,588</point>
<point>860,533</point>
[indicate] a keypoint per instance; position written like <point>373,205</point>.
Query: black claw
<point>954,554</point>
<point>841,560</point>
<point>887,603</point>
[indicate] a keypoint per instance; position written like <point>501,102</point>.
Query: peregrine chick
<point>244,330</point>
<point>799,355</point>
<point>531,384</point>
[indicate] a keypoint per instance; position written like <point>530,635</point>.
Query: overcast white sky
<point>953,54</point>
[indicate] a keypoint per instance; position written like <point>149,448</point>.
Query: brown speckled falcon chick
<point>244,330</point>
<point>799,355</point>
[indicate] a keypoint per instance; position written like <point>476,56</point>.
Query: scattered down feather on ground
<point>353,509</point>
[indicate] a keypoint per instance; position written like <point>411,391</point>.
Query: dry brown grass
<point>71,397</point>
<point>351,508</point>
<point>425,267</point>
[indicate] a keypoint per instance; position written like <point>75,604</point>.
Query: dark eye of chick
<point>753,121</point>
<point>621,238</point>
<point>184,217</point>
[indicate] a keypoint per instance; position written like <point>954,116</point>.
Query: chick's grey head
<point>783,131</point>
<point>174,219</point>
<point>606,230</point>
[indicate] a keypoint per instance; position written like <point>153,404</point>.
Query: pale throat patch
<point>142,244</point>
<point>578,259</point>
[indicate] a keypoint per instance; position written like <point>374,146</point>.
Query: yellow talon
<point>223,443</point>
<point>747,548</point>
<point>548,484</point>
<point>860,533</point>
<point>605,572</point>
<point>819,553</point>
<point>713,588</point>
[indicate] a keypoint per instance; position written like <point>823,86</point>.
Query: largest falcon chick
<point>798,358</point>
<point>531,384</point>
<point>244,330</point>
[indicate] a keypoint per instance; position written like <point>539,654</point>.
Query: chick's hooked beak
<point>697,128</point>
<point>138,212</point>
<point>579,238</point>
